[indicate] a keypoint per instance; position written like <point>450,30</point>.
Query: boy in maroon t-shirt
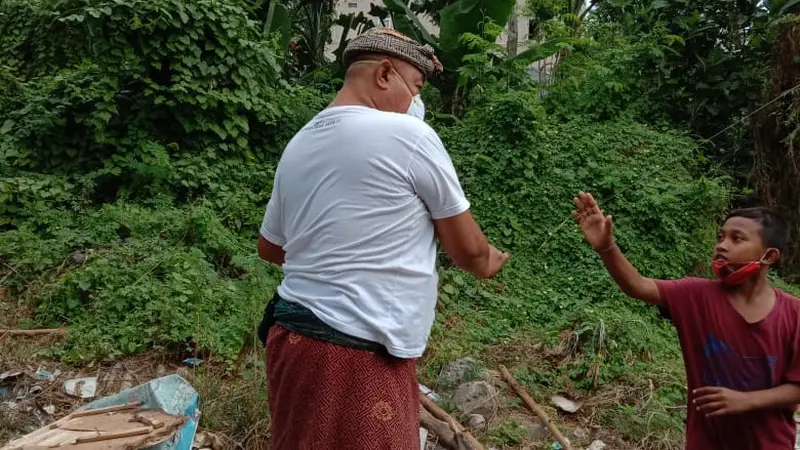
<point>739,336</point>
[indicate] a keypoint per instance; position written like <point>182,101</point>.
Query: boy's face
<point>739,241</point>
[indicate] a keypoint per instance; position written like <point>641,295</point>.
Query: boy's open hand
<point>597,228</point>
<point>718,401</point>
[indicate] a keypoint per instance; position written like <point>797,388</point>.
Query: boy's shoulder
<point>687,286</point>
<point>787,294</point>
<point>684,297</point>
<point>792,302</point>
<point>699,281</point>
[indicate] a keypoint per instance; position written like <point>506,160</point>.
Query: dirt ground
<point>233,399</point>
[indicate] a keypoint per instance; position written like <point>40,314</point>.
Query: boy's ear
<point>772,256</point>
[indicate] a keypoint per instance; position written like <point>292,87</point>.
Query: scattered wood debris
<point>450,432</point>
<point>118,427</point>
<point>37,332</point>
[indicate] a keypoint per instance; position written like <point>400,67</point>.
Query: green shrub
<point>135,97</point>
<point>127,278</point>
<point>521,170</point>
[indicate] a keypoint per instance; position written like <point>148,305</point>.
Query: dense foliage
<point>123,124</point>
<point>138,98</point>
<point>138,142</point>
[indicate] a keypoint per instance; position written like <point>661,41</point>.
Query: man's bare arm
<point>465,243</point>
<point>270,252</point>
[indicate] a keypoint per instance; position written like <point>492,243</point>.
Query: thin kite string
<point>658,168</point>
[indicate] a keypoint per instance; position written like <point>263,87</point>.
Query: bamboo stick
<point>458,429</point>
<point>441,429</point>
<point>534,407</point>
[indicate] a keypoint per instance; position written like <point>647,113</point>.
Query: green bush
<point>614,75</point>
<point>138,142</point>
<point>521,170</point>
<point>135,98</point>
<point>127,278</point>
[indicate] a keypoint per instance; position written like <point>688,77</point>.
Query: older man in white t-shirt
<point>361,195</point>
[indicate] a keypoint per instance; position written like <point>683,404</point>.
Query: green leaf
<point>658,4</point>
<point>74,18</point>
<point>676,38</point>
<point>786,7</point>
<point>542,51</point>
<point>217,129</point>
<point>6,126</point>
<point>243,124</point>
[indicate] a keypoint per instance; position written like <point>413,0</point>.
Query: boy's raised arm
<point>598,231</point>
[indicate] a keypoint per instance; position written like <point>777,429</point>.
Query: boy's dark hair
<point>775,230</point>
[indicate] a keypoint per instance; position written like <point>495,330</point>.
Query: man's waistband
<point>301,320</point>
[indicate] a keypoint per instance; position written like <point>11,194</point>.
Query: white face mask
<point>417,108</point>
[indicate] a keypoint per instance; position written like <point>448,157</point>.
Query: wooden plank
<point>109,436</point>
<point>156,424</point>
<point>92,412</point>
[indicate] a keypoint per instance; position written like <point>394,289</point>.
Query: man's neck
<point>350,96</point>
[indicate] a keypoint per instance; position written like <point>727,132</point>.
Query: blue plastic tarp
<point>171,393</point>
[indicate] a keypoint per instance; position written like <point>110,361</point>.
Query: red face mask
<point>736,274</point>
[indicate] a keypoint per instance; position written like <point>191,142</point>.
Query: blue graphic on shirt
<point>724,367</point>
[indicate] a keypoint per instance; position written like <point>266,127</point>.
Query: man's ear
<point>382,75</point>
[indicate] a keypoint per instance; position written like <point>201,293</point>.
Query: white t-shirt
<point>352,206</point>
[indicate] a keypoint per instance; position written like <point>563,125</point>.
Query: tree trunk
<point>513,35</point>
<point>776,132</point>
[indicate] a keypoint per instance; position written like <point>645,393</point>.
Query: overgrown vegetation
<point>138,141</point>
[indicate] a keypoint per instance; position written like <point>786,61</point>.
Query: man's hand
<point>597,228</point>
<point>719,401</point>
<point>497,260</point>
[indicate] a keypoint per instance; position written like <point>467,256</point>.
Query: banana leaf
<point>541,51</point>
<point>350,22</point>
<point>281,22</point>
<point>406,21</point>
<point>466,16</point>
<point>785,7</point>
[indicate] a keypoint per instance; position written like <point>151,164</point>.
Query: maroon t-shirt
<point>720,348</point>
